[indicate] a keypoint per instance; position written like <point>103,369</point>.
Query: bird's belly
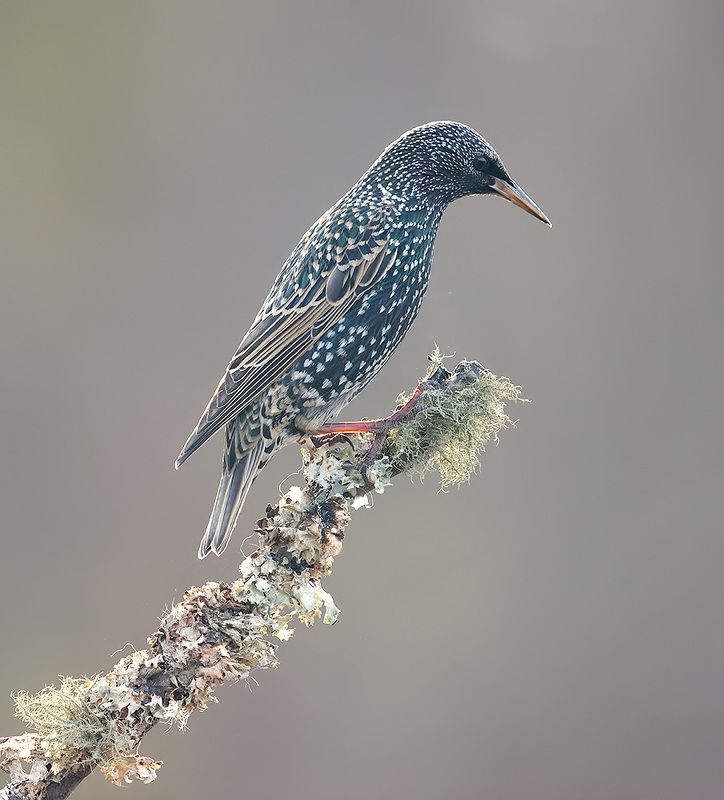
<point>349,355</point>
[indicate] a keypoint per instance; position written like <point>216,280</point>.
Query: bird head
<point>443,161</point>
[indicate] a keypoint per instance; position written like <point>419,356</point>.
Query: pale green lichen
<point>454,422</point>
<point>70,729</point>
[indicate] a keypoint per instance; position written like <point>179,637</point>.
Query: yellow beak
<point>511,191</point>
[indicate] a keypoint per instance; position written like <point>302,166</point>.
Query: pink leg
<point>380,427</point>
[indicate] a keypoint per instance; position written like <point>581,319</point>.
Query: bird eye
<point>480,163</point>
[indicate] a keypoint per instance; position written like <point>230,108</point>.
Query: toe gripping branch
<point>467,372</point>
<point>379,427</point>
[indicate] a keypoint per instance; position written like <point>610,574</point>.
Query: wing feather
<point>287,326</point>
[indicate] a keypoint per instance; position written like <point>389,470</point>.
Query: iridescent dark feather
<point>339,307</point>
<point>287,327</point>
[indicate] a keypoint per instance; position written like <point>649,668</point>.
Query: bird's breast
<point>353,351</point>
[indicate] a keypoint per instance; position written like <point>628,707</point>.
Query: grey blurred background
<point>556,631</point>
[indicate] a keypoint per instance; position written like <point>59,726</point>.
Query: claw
<point>331,431</point>
<point>318,440</point>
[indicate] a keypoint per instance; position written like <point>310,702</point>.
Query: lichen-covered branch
<point>220,632</point>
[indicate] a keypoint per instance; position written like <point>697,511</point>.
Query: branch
<point>220,632</point>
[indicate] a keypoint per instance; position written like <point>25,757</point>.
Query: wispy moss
<point>458,414</point>
<point>72,731</point>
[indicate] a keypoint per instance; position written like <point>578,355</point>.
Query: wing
<point>303,305</point>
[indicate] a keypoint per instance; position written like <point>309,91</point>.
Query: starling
<point>341,304</point>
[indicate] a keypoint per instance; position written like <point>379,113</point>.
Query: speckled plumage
<point>339,307</point>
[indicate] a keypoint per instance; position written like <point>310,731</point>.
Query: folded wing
<point>297,313</point>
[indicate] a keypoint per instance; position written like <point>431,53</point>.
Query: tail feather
<point>233,489</point>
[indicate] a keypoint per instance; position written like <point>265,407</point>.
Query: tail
<point>233,489</point>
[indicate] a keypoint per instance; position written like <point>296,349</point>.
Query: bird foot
<point>327,438</point>
<point>333,431</point>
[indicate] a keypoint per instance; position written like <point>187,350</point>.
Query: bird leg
<point>330,431</point>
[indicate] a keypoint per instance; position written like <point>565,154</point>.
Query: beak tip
<point>538,214</point>
<point>514,194</point>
